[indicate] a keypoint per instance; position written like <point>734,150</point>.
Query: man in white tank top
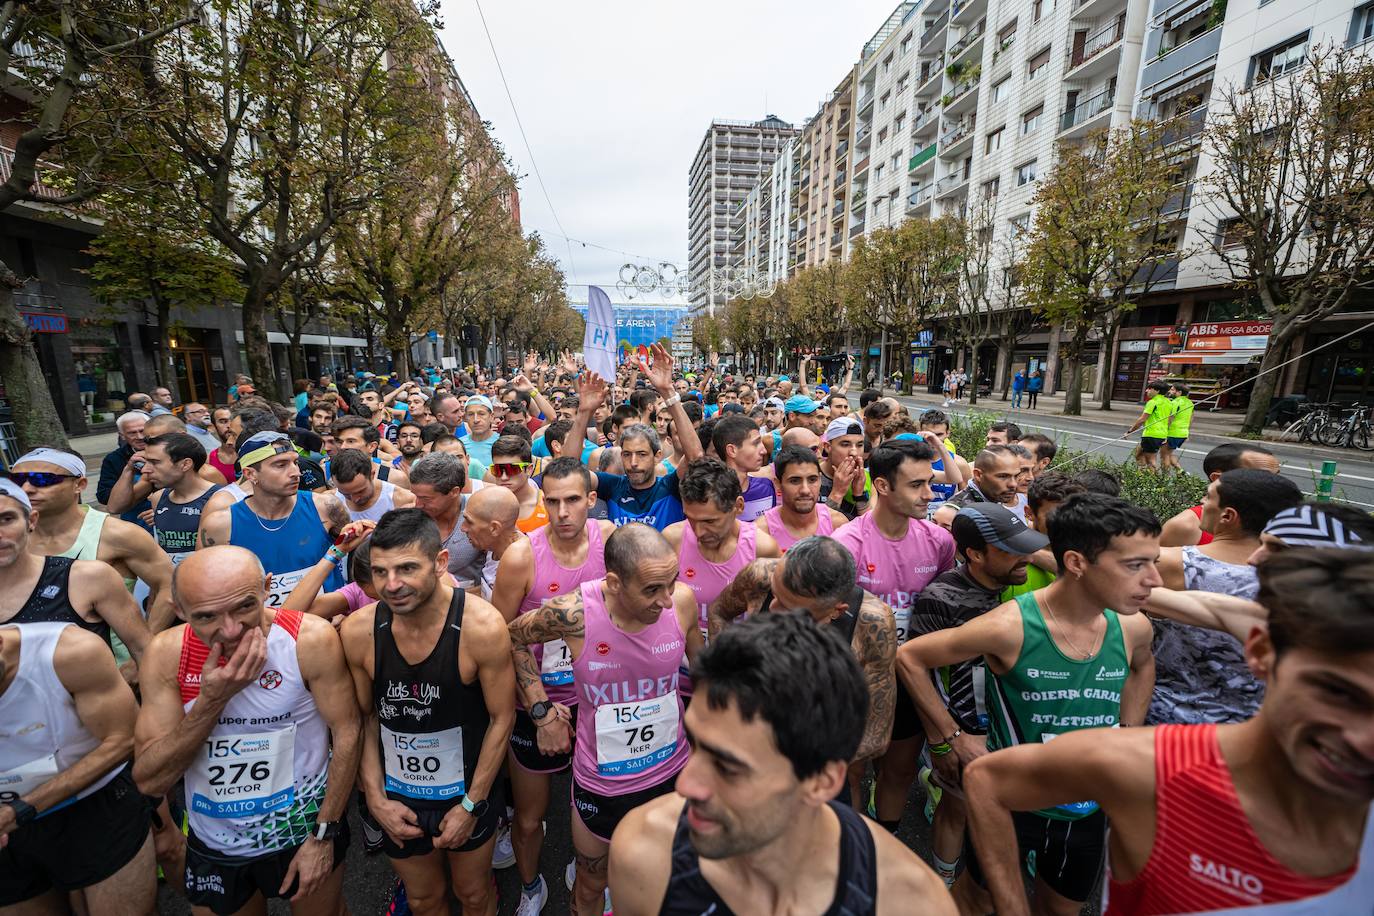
<point>256,709</point>
<point>365,497</point>
<point>71,820</point>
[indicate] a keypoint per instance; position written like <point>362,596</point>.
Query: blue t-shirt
<point>479,449</point>
<point>657,505</point>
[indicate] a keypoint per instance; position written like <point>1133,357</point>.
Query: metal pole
<point>1327,481</point>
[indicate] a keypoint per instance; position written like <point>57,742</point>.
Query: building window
<point>990,188</point>
<point>1025,174</point>
<point>1006,32</point>
<point>1037,10</point>
<point>897,123</point>
<point>1279,59</point>
<point>896,161</point>
<point>1020,225</point>
<point>1362,24</point>
<point>1000,88</point>
<point>882,136</point>
<point>1231,232</point>
<point>1031,119</point>
<point>878,173</point>
<point>887,64</point>
<point>994,141</point>
<point>901,83</point>
<point>882,102</point>
<point>1038,64</point>
<point>906,45</point>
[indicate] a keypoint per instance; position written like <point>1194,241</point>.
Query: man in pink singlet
<point>553,561</point>
<point>712,546</point>
<point>799,513</point>
<point>1268,816</point>
<point>897,553</point>
<point>626,634</point>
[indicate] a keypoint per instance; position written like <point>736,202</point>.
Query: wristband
<point>941,749</point>
<point>335,554</point>
<point>675,399</point>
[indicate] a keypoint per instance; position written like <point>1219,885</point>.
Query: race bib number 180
<point>427,765</point>
<point>239,776</point>
<point>631,737</point>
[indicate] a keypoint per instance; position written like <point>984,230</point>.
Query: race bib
<point>428,766</point>
<point>631,737</point>
<point>25,778</point>
<point>239,776</point>
<point>556,666</point>
<point>980,694</point>
<point>902,617</point>
<point>283,584</point>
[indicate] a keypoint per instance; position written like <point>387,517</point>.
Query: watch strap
<point>23,811</point>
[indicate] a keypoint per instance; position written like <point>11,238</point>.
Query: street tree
<point>975,312</point>
<point>904,276</point>
<point>1100,240</point>
<point>280,116</point>
<point>73,62</point>
<point>1292,197</point>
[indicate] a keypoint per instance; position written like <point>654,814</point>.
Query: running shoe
<point>372,832</point>
<point>533,904</point>
<point>504,854</point>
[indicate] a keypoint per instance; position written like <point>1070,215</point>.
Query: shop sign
<point>1230,328</point>
<point>1161,332</point>
<point>1135,346</point>
<point>45,322</point>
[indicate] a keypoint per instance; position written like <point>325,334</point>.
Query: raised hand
<point>658,369</point>
<point>591,392</point>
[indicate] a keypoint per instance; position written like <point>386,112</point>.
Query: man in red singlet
<point>1267,816</point>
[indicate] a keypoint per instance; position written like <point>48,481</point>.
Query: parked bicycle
<point>1354,429</point>
<point>1312,418</point>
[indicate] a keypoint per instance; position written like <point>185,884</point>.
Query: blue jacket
<point>1035,383</point>
<point>1018,382</point>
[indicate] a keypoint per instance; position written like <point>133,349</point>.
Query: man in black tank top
<point>776,718</point>
<point>36,589</point>
<point>432,667</point>
<point>817,577</point>
<point>172,462</point>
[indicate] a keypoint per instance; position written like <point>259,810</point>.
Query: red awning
<point>1212,357</point>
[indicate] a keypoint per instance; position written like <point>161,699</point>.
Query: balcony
<point>1086,114</point>
<point>841,150</point>
<point>968,41</point>
<point>861,166</point>
<point>865,101</point>
<point>1092,57</point>
<point>936,31</point>
<point>968,11</point>
<point>836,238</point>
<point>860,198</point>
<point>962,97</point>
<point>861,136</point>
<point>856,229</point>
<point>1185,127</point>
<point>921,158</point>
<point>1190,55</point>
<point>1179,202</point>
<point>958,139</point>
<point>931,82</point>
<point>838,210</point>
<point>924,121</point>
<point>950,184</point>
<point>919,198</point>
<point>1096,9</point>
<point>1160,275</point>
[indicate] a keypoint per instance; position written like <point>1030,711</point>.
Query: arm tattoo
<point>556,619</point>
<point>876,639</point>
<point>749,586</point>
<point>336,516</point>
<point>526,672</point>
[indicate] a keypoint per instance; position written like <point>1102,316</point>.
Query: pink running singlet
<point>629,727</point>
<point>896,571</point>
<point>550,581</point>
<point>773,518</point>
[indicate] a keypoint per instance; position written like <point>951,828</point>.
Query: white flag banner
<point>598,342</point>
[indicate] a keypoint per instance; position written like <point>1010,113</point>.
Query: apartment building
<point>731,159</point>
<point>821,187</point>
<point>759,227</point>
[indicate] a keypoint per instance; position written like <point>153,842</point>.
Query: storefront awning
<point>317,340</point>
<point>1212,357</point>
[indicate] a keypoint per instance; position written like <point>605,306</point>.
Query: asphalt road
<point>368,879</point>
<point>1301,463</point>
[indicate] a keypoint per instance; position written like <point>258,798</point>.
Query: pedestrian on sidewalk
<point>1018,386</point>
<point>947,387</point>
<point>1033,386</point>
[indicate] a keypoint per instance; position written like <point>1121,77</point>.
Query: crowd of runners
<point>749,615</point>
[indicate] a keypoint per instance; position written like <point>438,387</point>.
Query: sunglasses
<point>38,478</point>
<point>509,470</point>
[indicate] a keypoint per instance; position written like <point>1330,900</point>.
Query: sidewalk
<point>1119,417</point>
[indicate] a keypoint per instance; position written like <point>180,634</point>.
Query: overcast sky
<point>615,97</point>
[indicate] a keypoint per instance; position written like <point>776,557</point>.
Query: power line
<point>534,166</point>
<point>628,254</point>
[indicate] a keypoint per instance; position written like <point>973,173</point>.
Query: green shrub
<point>970,432</point>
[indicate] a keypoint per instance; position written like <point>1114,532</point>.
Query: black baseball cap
<point>992,524</point>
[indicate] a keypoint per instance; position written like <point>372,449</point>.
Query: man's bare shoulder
<point>482,620</point>
<point>906,884</point>
<point>642,846</point>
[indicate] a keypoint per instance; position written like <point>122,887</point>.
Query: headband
<point>66,461</point>
<point>266,445</point>
<point>15,492</point>
<point>1309,526</point>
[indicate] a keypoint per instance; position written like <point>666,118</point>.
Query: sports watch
<point>539,710</point>
<point>476,809</point>
<point>326,830</point>
<point>23,811</point>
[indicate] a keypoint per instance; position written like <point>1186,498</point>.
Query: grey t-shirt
<point>464,560</point>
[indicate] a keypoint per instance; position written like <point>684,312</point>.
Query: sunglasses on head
<point>37,478</point>
<point>510,469</point>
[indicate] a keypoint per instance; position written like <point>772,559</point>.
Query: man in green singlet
<point>1155,422</point>
<point>1072,655</point>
